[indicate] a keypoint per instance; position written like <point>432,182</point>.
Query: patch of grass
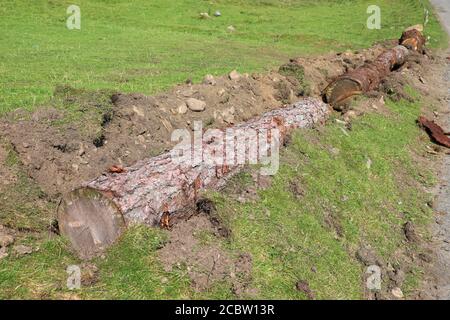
<point>23,204</point>
<point>131,270</point>
<point>297,72</point>
<point>147,46</point>
<point>12,160</point>
<point>40,275</point>
<point>77,102</point>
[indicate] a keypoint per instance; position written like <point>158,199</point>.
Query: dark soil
<point>205,261</point>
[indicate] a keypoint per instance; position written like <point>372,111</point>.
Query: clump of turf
<point>295,71</point>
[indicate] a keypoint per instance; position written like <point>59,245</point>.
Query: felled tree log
<point>155,191</point>
<point>369,76</point>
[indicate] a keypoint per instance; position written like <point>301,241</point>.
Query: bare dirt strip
<point>438,286</point>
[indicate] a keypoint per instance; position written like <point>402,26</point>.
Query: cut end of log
<point>339,94</point>
<point>90,220</point>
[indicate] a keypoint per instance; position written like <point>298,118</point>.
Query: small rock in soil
<point>369,163</point>
<point>228,115</point>
<point>349,115</point>
<point>182,108</point>
<point>234,75</point>
<point>397,293</point>
<point>138,111</point>
<point>21,250</point>
<point>195,104</point>
<point>209,79</point>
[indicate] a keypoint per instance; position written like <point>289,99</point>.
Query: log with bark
<point>369,76</point>
<point>156,191</point>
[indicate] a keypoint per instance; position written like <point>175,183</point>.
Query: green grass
<point>23,204</point>
<point>147,46</point>
<point>40,275</point>
<point>132,270</point>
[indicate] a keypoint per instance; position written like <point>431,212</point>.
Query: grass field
<point>146,46</point>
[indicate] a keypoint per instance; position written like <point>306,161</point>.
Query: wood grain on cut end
<point>90,220</point>
<point>341,93</point>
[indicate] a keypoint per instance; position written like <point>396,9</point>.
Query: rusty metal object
<point>435,131</point>
<point>369,76</point>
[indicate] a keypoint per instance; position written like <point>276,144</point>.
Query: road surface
<point>442,227</point>
<point>443,10</point>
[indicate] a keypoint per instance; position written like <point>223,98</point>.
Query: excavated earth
<point>60,150</point>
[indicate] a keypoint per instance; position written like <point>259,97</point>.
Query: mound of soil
<point>206,264</point>
<point>62,148</point>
